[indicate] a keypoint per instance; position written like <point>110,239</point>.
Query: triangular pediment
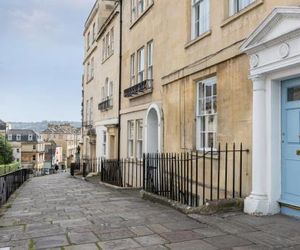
<point>281,23</point>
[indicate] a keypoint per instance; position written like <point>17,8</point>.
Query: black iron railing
<point>139,89</point>
<point>197,177</point>
<point>106,104</point>
<point>85,166</point>
<point>122,173</point>
<point>10,182</point>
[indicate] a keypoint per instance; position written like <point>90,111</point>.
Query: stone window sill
<point>111,54</point>
<point>133,23</point>
<point>242,12</point>
<point>91,79</point>
<point>197,39</point>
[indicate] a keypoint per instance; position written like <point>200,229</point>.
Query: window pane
<point>208,107</point>
<point>210,137</point>
<point>208,91</point>
<point>215,89</point>
<point>214,104</point>
<point>201,90</point>
<point>207,114</point>
<point>294,94</point>
<point>203,125</point>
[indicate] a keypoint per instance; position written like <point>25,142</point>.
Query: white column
<point>257,202</point>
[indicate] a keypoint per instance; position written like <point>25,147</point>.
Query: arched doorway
<point>153,129</point>
<point>152,125</point>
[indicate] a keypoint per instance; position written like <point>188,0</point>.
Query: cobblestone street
<point>60,212</point>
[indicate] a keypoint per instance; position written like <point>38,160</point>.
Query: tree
<point>6,151</point>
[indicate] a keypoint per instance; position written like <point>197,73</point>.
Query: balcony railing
<point>141,88</point>
<point>106,104</point>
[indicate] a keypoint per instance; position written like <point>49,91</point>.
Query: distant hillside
<point>40,126</point>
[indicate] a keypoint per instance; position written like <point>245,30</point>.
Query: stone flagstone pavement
<point>61,212</point>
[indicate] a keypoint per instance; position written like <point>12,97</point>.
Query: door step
<point>289,209</point>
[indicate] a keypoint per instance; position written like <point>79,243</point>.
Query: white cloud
<point>33,23</point>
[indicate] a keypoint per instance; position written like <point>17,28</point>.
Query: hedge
<point>5,169</point>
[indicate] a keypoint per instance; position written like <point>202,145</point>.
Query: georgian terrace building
<point>197,73</point>
<point>101,81</point>
<point>30,148</point>
<point>65,135</point>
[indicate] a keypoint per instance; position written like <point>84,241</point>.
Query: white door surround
<point>153,129</point>
<point>274,50</point>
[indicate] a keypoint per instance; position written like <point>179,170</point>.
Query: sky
<point>41,54</point>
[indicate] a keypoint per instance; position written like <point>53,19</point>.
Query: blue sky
<point>41,51</point>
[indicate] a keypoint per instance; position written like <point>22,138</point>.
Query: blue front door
<point>290,177</point>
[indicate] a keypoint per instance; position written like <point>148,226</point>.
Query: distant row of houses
<point>55,145</point>
<point>178,76</point>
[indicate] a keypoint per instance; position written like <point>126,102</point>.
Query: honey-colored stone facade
<point>101,81</point>
<point>179,63</point>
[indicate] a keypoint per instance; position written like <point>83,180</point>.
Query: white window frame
<point>130,138</point>
<point>110,89</point>
<point>106,88</point>
<point>88,40</point>
<point>30,137</point>
<point>18,137</point>
<point>104,143</point>
<point>141,65</point>
<point>91,110</point>
<point>92,67</point>
<point>87,112</point>
<point>140,6</point>
<point>132,69</point>
<point>133,10</point>
<point>201,115</point>
<point>103,49</point>
<point>139,138</point>
<point>201,24</point>
<point>88,71</point>
<point>236,6</point>
<point>107,49</point>
<point>94,31</point>
<point>112,41</point>
<point>9,137</point>
<point>150,60</point>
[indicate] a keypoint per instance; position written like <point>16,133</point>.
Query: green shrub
<point>4,169</point>
<point>6,151</point>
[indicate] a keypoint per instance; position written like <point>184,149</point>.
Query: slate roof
<point>61,129</point>
<point>24,134</point>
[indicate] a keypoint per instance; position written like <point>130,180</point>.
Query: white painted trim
<point>269,22</point>
<point>267,78</point>
<point>159,113</point>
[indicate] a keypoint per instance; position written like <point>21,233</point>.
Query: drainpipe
<point>120,78</point>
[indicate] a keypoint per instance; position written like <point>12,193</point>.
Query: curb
<point>211,207</point>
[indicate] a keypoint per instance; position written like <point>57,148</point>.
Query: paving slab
<point>82,247</point>
<point>191,245</point>
<point>50,241</point>
<point>180,236</point>
<point>150,240</point>
<point>227,241</point>
<point>117,234</point>
<point>83,237</point>
<point>119,244</point>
